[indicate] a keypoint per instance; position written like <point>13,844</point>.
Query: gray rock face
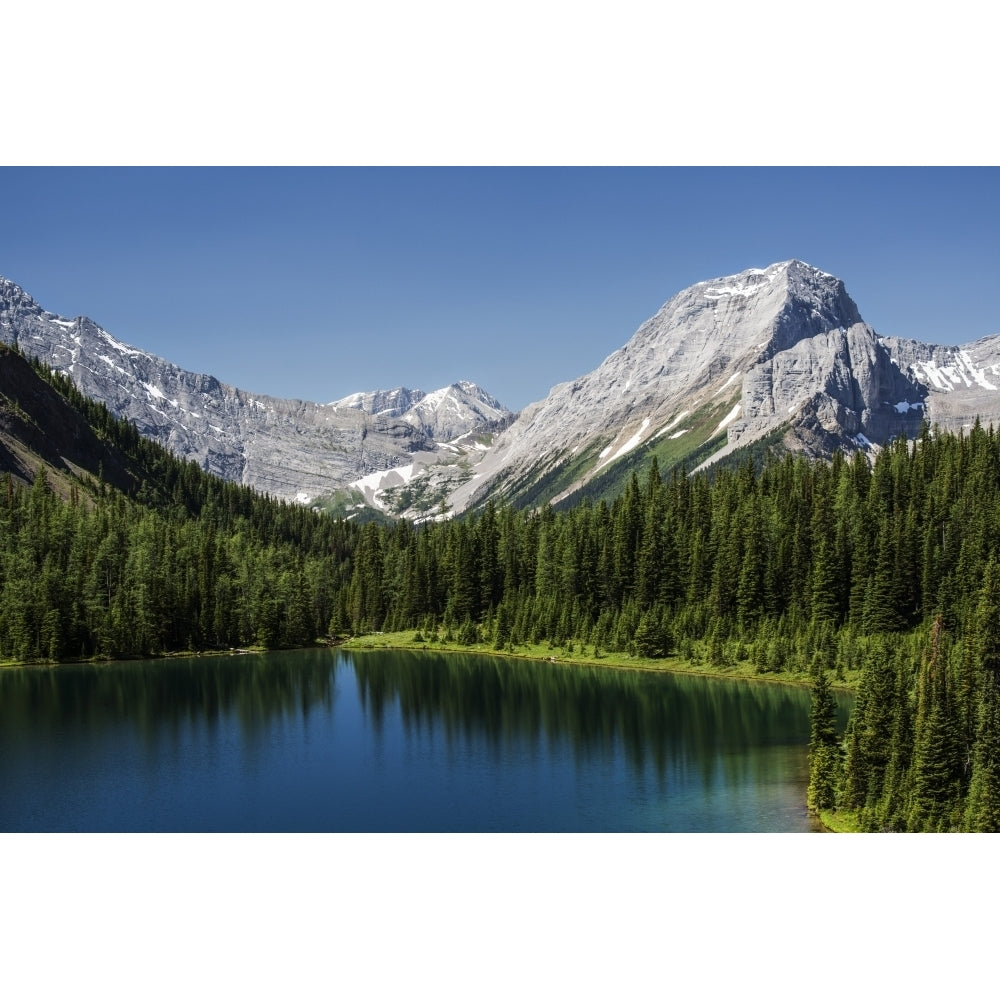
<point>691,357</point>
<point>833,385</point>
<point>962,382</point>
<point>288,448</point>
<point>443,415</point>
<point>780,347</point>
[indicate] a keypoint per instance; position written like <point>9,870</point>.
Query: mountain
<point>777,357</point>
<point>421,489</point>
<point>780,353</point>
<point>443,415</point>
<point>289,448</point>
<point>961,382</point>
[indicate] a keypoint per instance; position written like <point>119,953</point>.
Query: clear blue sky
<point>317,282</point>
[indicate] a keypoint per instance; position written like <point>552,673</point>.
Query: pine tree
<point>882,602</point>
<point>936,769</point>
<point>982,813</point>
<point>869,736</point>
<point>824,752</point>
<point>983,803</point>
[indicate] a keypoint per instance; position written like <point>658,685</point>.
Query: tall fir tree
<point>824,750</point>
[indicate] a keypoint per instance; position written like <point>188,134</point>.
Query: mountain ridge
<point>780,353</point>
<point>292,449</point>
<point>443,414</point>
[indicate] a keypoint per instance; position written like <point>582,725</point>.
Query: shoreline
<point>618,661</point>
<point>181,654</point>
<point>404,640</point>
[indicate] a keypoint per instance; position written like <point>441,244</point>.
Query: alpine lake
<point>329,740</point>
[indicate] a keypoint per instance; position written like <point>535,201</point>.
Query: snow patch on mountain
<point>961,371</point>
<point>728,418</point>
<point>631,444</point>
<point>673,423</point>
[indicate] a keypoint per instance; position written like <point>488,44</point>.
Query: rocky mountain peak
<point>382,402</point>
<point>14,302</point>
<point>443,414</point>
<point>758,309</point>
<point>288,448</point>
<point>776,350</point>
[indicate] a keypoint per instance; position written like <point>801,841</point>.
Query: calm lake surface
<point>324,740</point>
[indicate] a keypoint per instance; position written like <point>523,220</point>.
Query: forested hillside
<point>790,568</point>
<point>885,577</point>
<point>174,559</point>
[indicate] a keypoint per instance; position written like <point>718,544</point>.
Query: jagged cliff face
<point>837,389</point>
<point>962,382</point>
<point>728,361</point>
<point>288,448</point>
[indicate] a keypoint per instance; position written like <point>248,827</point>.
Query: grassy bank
<point>574,653</point>
<point>840,822</point>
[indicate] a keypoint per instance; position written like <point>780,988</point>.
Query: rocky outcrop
<point>842,382</point>
<point>962,382</point>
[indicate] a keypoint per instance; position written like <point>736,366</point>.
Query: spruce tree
<point>936,767</point>
<point>983,805</point>
<point>824,752</point>
<point>982,812</point>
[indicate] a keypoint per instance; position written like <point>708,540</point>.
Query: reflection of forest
<point>154,693</point>
<point>663,719</point>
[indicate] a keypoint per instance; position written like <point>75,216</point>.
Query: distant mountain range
<point>777,357</point>
<point>288,448</point>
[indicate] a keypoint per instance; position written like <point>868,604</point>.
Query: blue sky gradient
<point>314,283</point>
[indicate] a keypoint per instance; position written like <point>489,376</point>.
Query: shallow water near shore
<point>328,740</point>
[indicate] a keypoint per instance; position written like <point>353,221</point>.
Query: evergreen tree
<point>983,804</point>
<point>824,751</point>
<point>936,768</point>
<point>982,813</point>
